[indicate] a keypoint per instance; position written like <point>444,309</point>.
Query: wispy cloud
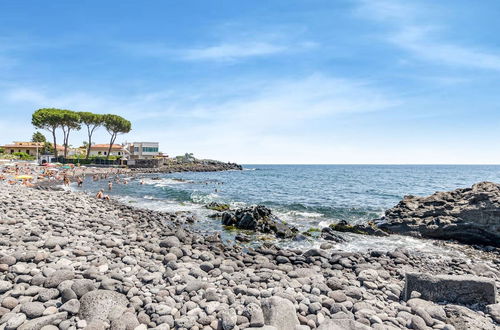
<point>228,51</point>
<point>228,47</point>
<point>248,116</point>
<point>411,29</point>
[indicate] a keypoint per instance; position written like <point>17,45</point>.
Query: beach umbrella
<point>24,177</point>
<point>66,167</point>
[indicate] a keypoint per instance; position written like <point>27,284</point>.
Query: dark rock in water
<point>468,215</point>
<point>242,238</point>
<point>258,218</point>
<point>330,235</point>
<point>217,206</point>
<point>465,289</point>
<point>364,229</point>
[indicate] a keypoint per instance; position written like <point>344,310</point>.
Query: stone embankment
<point>69,261</point>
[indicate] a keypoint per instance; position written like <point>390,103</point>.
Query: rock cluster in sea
<point>468,215</point>
<point>255,218</point>
<point>195,166</point>
<point>69,261</point>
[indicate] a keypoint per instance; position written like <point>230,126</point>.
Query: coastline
<point>171,277</point>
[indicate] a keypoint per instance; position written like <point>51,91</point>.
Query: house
<point>143,150</point>
<point>97,150</point>
<point>30,148</point>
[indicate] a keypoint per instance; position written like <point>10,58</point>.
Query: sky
<point>264,82</point>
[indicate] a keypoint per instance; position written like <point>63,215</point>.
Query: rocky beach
<point>70,261</point>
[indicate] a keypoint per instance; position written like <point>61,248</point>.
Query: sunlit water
<point>302,195</point>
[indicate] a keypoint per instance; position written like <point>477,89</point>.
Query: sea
<point>308,197</point>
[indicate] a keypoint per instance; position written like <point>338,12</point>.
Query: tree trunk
<point>113,137</point>
<point>90,141</point>
<point>55,144</point>
<point>66,140</point>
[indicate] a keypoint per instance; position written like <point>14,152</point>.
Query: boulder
<point>468,215</point>
<point>96,305</point>
<point>279,312</point>
<point>463,289</point>
<point>257,218</point>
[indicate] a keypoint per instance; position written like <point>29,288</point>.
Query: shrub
<point>23,156</point>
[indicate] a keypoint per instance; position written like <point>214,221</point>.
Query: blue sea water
<point>303,195</point>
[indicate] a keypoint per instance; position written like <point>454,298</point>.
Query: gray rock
<point>228,319</point>
<point>68,294</point>
<point>170,241</point>
<point>58,277</point>
<point>32,309</point>
<point>5,286</point>
<point>47,294</point>
<point>418,323</point>
<point>279,312</point>
<point>254,314</point>
<point>127,321</point>
<point>463,289</point>
<point>15,321</point>
<point>53,241</point>
<point>494,311</point>
<point>96,305</point>
<point>40,322</point>
<point>71,306</point>
<point>82,286</point>
<point>342,324</point>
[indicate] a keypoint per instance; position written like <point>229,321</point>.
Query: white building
<point>143,150</point>
<point>103,149</point>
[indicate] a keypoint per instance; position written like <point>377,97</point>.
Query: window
<point>136,149</point>
<point>119,153</point>
<point>149,149</point>
<point>105,153</point>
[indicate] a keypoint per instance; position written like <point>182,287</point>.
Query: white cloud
<point>232,51</point>
<point>248,120</point>
<point>410,29</point>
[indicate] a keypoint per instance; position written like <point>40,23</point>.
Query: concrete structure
<point>30,148</point>
<point>454,289</point>
<point>143,150</point>
<point>102,150</point>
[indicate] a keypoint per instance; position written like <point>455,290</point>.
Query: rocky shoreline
<point>69,261</point>
<point>195,166</point>
<point>467,215</point>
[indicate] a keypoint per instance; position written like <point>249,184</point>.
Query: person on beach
<point>110,185</point>
<point>100,195</point>
<point>80,181</point>
<point>142,182</point>
<point>66,180</point>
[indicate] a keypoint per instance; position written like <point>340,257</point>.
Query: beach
<point>71,261</point>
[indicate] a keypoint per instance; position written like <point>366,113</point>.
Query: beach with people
<point>74,261</point>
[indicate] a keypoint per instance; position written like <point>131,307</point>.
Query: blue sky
<point>349,81</point>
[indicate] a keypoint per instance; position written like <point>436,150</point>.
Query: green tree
<point>115,125</point>
<point>70,120</point>
<point>91,121</point>
<point>38,137</point>
<point>49,119</point>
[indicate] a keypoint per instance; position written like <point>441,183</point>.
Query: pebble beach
<point>71,261</point>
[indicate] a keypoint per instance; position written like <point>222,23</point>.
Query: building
<point>102,150</point>
<point>143,150</point>
<point>30,148</point>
